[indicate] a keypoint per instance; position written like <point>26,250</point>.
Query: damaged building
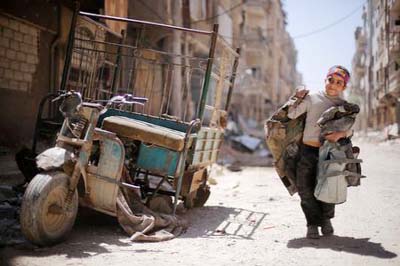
<point>376,67</point>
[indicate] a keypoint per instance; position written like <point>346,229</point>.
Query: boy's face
<point>334,85</point>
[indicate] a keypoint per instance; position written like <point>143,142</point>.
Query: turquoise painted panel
<point>158,160</point>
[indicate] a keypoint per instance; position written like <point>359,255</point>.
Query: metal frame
<point>135,53</point>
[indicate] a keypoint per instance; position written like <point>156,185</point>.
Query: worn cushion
<point>146,132</point>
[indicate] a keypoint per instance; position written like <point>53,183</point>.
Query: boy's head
<point>336,80</point>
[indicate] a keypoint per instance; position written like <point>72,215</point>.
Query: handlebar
<point>126,99</point>
<point>72,101</point>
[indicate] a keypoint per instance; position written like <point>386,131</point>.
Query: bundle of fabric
<point>338,166</point>
<point>283,137</point>
<point>144,224</point>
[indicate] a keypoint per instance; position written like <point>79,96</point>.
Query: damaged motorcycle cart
<point>139,116</point>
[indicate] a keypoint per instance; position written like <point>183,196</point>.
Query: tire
<point>44,221</point>
<point>197,198</point>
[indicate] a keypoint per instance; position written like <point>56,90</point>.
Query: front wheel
<point>44,218</point>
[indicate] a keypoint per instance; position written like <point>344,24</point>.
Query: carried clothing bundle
<point>283,137</point>
<point>338,166</point>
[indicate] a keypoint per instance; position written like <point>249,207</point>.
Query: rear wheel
<point>198,197</point>
<point>44,219</point>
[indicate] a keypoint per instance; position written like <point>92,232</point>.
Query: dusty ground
<point>250,219</point>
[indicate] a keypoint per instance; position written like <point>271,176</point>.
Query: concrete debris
<point>7,211</point>
<point>244,145</point>
<point>248,142</point>
<point>392,131</point>
<point>6,192</point>
<point>264,153</point>
<point>235,167</point>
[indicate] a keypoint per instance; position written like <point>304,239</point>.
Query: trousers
<point>314,210</point>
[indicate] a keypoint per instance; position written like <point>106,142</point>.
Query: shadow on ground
<point>95,233</point>
<point>360,246</point>
<point>217,221</point>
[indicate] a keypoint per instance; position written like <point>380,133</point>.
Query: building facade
<point>376,65</point>
<point>268,63</point>
<point>33,45</point>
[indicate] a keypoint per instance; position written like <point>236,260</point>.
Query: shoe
<point>312,232</point>
<point>327,228</point>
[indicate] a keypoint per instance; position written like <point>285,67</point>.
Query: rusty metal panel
<point>102,193</point>
<point>191,181</point>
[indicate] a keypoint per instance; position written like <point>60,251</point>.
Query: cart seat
<point>146,132</point>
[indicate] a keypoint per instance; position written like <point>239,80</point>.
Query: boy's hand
<point>335,136</point>
<point>301,92</point>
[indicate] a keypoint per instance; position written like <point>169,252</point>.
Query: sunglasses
<point>335,81</point>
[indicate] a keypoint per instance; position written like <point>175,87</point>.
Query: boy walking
<point>317,213</point>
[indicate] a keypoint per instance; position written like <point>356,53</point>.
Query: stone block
<point>8,74</point>
<point>3,21</point>
<point>18,75</point>
<point>8,33</point>
<point>2,51</point>
<point>5,63</point>
<point>21,56</point>
<point>31,59</point>
<point>15,65</point>
<point>25,47</point>
<point>27,77</point>
<point>1,72</point>
<point>25,67</point>
<point>14,45</point>
<point>4,42</point>
<point>34,50</point>
<point>29,39</point>
<point>27,29</point>
<point>32,68</point>
<point>11,54</point>
<point>18,36</point>
<point>13,24</point>
<point>23,86</point>
<point>28,68</point>
<point>4,83</point>
<point>14,84</point>
<point>28,49</point>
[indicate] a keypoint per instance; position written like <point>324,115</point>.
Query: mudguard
<point>283,137</point>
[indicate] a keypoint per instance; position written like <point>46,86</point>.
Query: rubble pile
<point>10,204</point>
<point>392,131</point>
<point>244,145</point>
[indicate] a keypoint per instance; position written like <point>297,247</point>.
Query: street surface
<point>250,219</point>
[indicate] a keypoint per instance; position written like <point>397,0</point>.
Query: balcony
<point>256,36</point>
